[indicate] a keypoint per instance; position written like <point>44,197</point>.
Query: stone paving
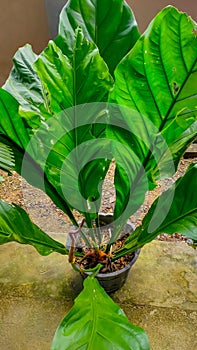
<point>160,295</point>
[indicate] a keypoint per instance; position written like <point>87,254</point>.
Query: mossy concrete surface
<point>160,295</point>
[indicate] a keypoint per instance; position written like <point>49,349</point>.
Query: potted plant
<point>101,92</point>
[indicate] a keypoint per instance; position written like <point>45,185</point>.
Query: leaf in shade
<point>6,158</point>
<point>16,135</point>
<point>24,84</point>
<point>11,124</point>
<point>15,225</point>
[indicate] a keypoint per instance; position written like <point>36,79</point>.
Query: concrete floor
<point>160,295</point>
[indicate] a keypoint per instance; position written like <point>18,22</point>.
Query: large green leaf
<point>174,211</point>
<point>110,24</point>
<point>175,151</point>
<point>96,322</point>
<point>157,85</point>
<point>11,125</point>
<point>156,80</point>
<point>48,85</point>
<point>83,79</point>
<point>15,134</point>
<point>24,84</point>
<point>15,225</point>
<point>72,158</point>
<point>69,83</point>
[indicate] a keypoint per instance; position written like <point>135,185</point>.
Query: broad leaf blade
<point>179,216</point>
<point>56,74</point>
<point>109,24</point>
<point>67,160</point>
<point>182,215</point>
<point>130,183</point>
<point>15,225</point>
<point>11,124</point>
<point>96,322</point>
<point>71,83</point>
<point>157,81</point>
<point>24,84</point>
<point>15,134</point>
<point>84,79</point>
<point>175,151</point>
<point>157,87</point>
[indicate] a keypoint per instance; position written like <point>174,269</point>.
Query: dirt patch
<point>39,206</point>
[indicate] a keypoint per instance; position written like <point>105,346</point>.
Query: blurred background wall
<point>145,10</point>
<point>34,22</point>
<point>21,22</point>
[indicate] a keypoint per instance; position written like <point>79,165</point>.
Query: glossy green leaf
<point>24,84</point>
<point>48,84</point>
<point>68,149</point>
<point>174,211</point>
<point>130,183</point>
<point>11,125</point>
<point>96,322</point>
<point>15,225</point>
<point>157,81</point>
<point>110,24</point>
<point>175,151</point>
<point>84,79</point>
<point>157,85</point>
<point>15,134</point>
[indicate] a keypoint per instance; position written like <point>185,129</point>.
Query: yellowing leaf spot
<point>194,30</point>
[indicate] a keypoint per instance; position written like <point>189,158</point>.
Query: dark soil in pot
<point>114,273</point>
<point>112,281</point>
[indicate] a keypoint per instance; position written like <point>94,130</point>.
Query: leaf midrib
<point>94,322</point>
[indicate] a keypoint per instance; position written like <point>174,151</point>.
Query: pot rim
<point>108,217</point>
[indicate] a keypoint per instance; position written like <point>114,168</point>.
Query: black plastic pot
<point>113,281</point>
